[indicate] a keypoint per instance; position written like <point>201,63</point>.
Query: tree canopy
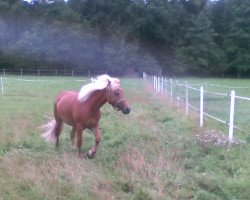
<point>176,37</point>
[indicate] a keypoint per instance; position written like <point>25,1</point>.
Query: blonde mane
<point>98,83</point>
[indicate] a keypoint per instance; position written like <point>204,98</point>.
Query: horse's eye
<point>117,94</point>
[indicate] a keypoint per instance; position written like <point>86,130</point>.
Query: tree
<point>200,52</point>
<point>237,38</point>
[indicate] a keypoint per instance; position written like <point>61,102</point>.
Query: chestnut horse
<point>81,110</point>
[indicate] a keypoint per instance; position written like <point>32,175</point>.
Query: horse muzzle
<point>126,110</point>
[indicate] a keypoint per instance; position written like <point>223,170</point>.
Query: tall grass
<point>149,154</point>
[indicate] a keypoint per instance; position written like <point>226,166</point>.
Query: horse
<point>81,110</point>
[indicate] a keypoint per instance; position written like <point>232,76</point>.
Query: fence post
<point>2,84</point>
<point>72,73</point>
<point>162,85</point>
<point>166,86</point>
<point>171,90</point>
<point>159,85</point>
<point>155,84</point>
<point>38,72</point>
<point>21,72</point>
<point>177,93</point>
<point>231,117</point>
<point>4,72</point>
<point>186,86</point>
<point>154,81</point>
<point>201,105</point>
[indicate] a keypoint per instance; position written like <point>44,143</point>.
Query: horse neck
<point>98,99</point>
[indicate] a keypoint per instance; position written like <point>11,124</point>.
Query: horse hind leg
<point>59,122</point>
<point>58,130</point>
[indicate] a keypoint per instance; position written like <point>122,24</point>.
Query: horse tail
<point>49,130</point>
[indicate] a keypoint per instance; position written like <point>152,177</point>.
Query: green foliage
<point>237,39</point>
<point>178,36</point>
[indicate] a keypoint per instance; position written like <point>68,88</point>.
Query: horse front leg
<point>79,130</point>
<point>72,135</point>
<point>97,135</point>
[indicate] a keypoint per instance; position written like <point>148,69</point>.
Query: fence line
<point>229,87</point>
<point>36,80</point>
<point>167,86</point>
<point>47,72</point>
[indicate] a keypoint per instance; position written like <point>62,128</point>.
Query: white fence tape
<point>228,87</point>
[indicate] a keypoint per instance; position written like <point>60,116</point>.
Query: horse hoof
<point>80,155</point>
<point>90,154</point>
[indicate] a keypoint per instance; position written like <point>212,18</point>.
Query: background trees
<point>177,37</point>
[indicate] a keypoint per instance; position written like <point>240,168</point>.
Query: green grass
<point>149,154</point>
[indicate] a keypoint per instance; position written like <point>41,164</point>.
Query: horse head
<point>116,97</point>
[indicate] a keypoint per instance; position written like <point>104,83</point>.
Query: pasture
<point>149,154</point>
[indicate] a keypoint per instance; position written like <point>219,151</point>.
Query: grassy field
<point>151,153</point>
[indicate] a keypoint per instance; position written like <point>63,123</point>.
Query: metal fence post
<point>231,117</point>
<point>201,105</point>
